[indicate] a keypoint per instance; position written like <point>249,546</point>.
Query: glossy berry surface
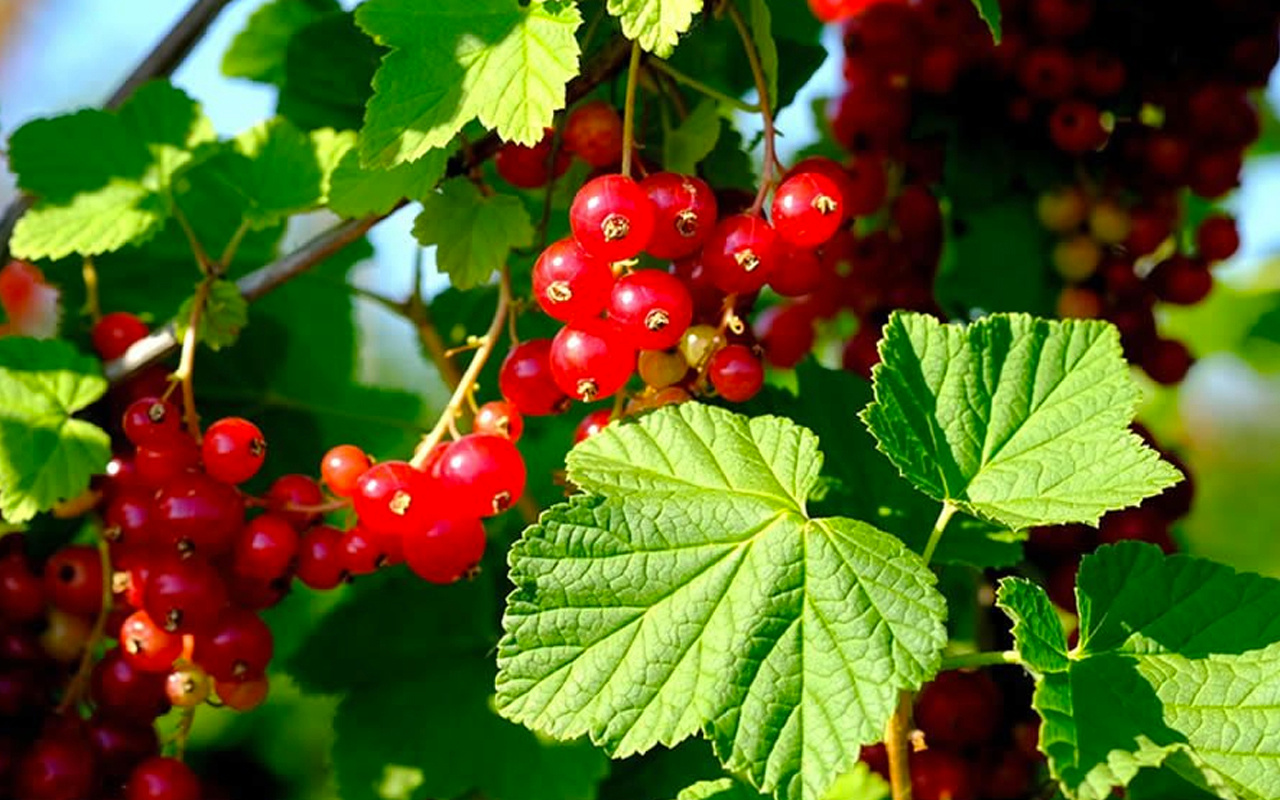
<point>736,373</point>
<point>612,218</point>
<point>319,563</point>
<point>393,497</point>
<point>531,167</point>
<point>237,647</point>
<point>592,424</point>
<point>593,132</point>
<point>156,467</point>
<point>73,579</point>
<point>569,284</point>
<point>807,209</point>
<point>120,688</point>
<point>146,645</point>
<point>739,254</point>
<point>115,332</point>
<point>288,493</point>
<point>197,514</point>
<point>525,379</point>
<point>341,467</point>
<point>651,308</point>
<point>242,695</point>
<point>684,209</point>
<point>161,778</point>
<point>184,595</point>
<point>499,418</point>
<point>57,767</point>
<point>798,271</point>
<point>265,547</point>
<point>591,360</point>
<point>152,422</point>
<point>361,552</point>
<point>233,450</point>
<point>481,474</point>
<point>446,550</point>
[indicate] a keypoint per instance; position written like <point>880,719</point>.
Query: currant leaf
<point>315,93</point>
<point>1018,420</point>
<point>46,455</point>
<point>473,234</point>
<point>989,10</point>
<point>356,191</point>
<point>258,51</point>
<point>452,61</point>
<point>1174,653</point>
<point>225,314</point>
<point>718,789</point>
<point>694,593</point>
<point>761,23</point>
<point>686,145</point>
<point>103,179</point>
<point>655,24</point>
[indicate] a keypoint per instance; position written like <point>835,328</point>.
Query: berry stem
<point>629,109</point>
<point>185,373</point>
<point>233,245</point>
<point>895,743</point>
<point>92,306</point>
<point>467,382</point>
<point>702,88</point>
<point>206,264</point>
<point>768,171</point>
<point>939,526</point>
<point>180,736</point>
<point>992,658</point>
<point>76,686</point>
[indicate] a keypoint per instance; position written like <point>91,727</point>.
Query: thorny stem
<point>768,171</point>
<point>76,687</point>
<point>629,109</point>
<point>92,306</point>
<point>992,658</point>
<point>702,88</point>
<point>467,383</point>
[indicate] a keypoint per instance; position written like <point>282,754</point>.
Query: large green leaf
<point>452,61</point>
<point>328,74</point>
<point>685,145</point>
<point>258,51</point>
<point>46,455</point>
<point>692,592</point>
<point>989,10</point>
<point>1019,420</point>
<point>1178,665</point>
<point>655,24</point>
<point>473,233</point>
<point>356,190</point>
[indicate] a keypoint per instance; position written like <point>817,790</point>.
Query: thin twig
<point>896,747</point>
<point>769,171</point>
<point>702,88</point>
<point>186,371</point>
<point>629,109</point>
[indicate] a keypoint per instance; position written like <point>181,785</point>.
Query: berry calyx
<point>651,308</point>
<point>237,647</point>
<point>152,422</point>
<point>739,253</point>
<point>233,450</point>
<point>499,418</point>
<point>807,209</point>
<point>198,515</point>
<point>146,645</point>
<point>393,497</point>
<point>569,284</point>
<point>184,595</point>
<point>612,218</point>
<point>684,209</point>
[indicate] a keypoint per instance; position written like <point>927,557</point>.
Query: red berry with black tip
<point>233,450</point>
<point>146,645</point>
<point>184,595</point>
<point>684,209</point>
<point>198,515</point>
<point>445,551</point>
<point>652,309</point>
<point>73,579</point>
<point>128,518</point>
<point>612,218</point>
<point>238,646</point>
<point>569,284</point>
<point>152,422</point>
<point>482,475</point>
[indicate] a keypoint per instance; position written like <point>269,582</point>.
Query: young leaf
<point>418,708</point>
<point>473,234</point>
<point>655,24</point>
<point>718,789</point>
<point>501,61</point>
<point>1178,664</point>
<point>46,455</point>
<point>761,21</point>
<point>1019,420</point>
<point>225,314</point>
<point>258,51</point>
<point>355,190</point>
<point>684,147</point>
<point>989,10</point>
<point>693,592</point>
<point>103,179</point>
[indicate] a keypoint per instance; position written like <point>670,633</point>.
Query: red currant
<point>21,591</point>
<point>320,558</point>
<point>807,209</point>
<point>341,467</point>
<point>569,284</point>
<point>1060,19</point>
<point>861,352</point>
<point>798,271</point>
<point>740,253</point>
<point>361,551</point>
<point>530,167</point>
<point>187,686</point>
<point>525,380</point>
<point>115,333</point>
<point>393,497</point>
<point>1101,73</point>
<point>1047,73</point>
<point>289,492</point>
<point>1213,174</point>
<point>146,645</point>
<point>592,424</point>
<point>446,550</point>
<point>198,514</point>
<point>787,335</point>
<point>122,690</point>
<point>612,218</point>
<point>233,450</point>
<point>157,467</point>
<point>57,767</point>
<point>121,743</point>
<point>482,475</point>
<point>1076,127</point>
<point>1166,361</point>
<point>1181,280</point>
<point>264,548</point>
<point>128,518</point>
<point>593,132</point>
<point>242,695</point>
<point>736,373</point>
<point>499,418</point>
<point>591,359</point>
<point>184,595</point>
<point>939,775</point>
<point>237,647</point>
<point>684,213</point>
<point>1217,238</point>
<point>73,579</point>
<point>160,778</point>
<point>152,422</point>
<point>651,308</point>
<point>959,709</point>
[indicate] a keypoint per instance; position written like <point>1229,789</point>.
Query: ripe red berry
<point>1217,238</point>
<point>481,475</point>
<point>740,253</point>
<point>1047,73</point>
<point>152,422</point>
<point>341,467</point>
<point>21,591</point>
<point>959,709</point>
<point>499,418</point>
<point>612,218</point>
<point>265,548</point>
<point>525,379</point>
<point>242,695</point>
<point>161,778</point>
<point>684,210</point>
<point>73,579</point>
<point>184,595</point>
<point>57,767</point>
<point>530,167</point>
<point>320,558</point>
<point>787,334</point>
<point>120,744</point>
<point>569,284</point>
<point>940,775</point>
<point>233,450</point>
<point>651,308</point>
<point>115,332</point>
<point>736,373</point>
<point>591,359</point>
<point>291,492</point>
<point>1166,361</point>
<point>593,132</point>
<point>1076,127</point>
<point>807,209</point>
<point>393,497</point>
<point>797,272</point>
<point>866,187</point>
<point>1213,174</point>
<point>1102,73</point>
<point>592,424</point>
<point>128,518</point>
<point>146,645</point>
<point>1060,19</point>
<point>446,550</point>
<point>1181,280</point>
<point>237,647</point>
<point>361,551</point>
<point>197,514</point>
<point>157,467</point>
<point>861,352</point>
<point>122,690</point>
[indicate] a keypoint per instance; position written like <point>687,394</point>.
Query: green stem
<point>702,88</point>
<point>992,658</point>
<point>939,526</point>
<point>629,109</point>
<point>768,172</point>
